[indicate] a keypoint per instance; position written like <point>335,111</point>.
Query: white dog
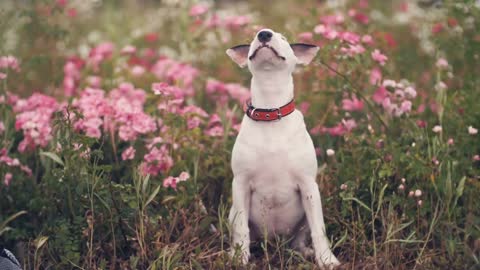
<point>273,160</point>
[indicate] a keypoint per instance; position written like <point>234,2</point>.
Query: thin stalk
<point>355,90</point>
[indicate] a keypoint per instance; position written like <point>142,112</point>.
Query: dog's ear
<point>239,54</point>
<point>304,52</point>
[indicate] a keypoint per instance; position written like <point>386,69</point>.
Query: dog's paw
<point>242,254</point>
<point>327,260</point>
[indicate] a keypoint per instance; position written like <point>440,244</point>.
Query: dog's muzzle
<point>264,45</point>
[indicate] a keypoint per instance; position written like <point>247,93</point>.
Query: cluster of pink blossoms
<point>71,75</point>
<point>232,22</point>
<point>395,97</point>
<point>12,163</point>
<point>172,181</point>
<point>122,110</point>
<point>176,73</point>
<point>34,119</point>
<point>8,62</point>
<point>222,92</point>
<point>157,160</point>
<point>100,53</point>
<point>127,107</point>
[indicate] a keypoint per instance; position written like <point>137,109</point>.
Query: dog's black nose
<point>265,36</point>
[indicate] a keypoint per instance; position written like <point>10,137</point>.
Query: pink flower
<point>442,63</point>
<point>343,186</point>
<point>2,127</point>
<point>320,29</point>
<point>184,176</point>
<point>353,50</point>
<point>367,39</point>
<point>129,49</point>
<point>94,81</point>
<point>350,37</point>
<point>170,182</point>
<point>129,153</point>
<point>352,105</point>
<point>193,122</point>
<point>176,73</point>
<point>380,95</point>
<point>7,179</point>
<point>410,92</point>
<point>71,71</point>
<point>34,119</point>
<point>157,160</point>
<point>137,70</point>
<point>406,106</point>
<point>450,141</point>
<point>61,3</point>
<point>100,53</point>
<point>304,106</point>
<point>305,36</point>
<point>349,124</point>
<point>198,9</point>
<point>216,131</point>
<point>379,57</point>
<point>3,76</point>
<point>332,19</point>
<point>9,62</point>
<point>375,76</point>
<point>235,22</point>
<point>330,34</point>
<point>93,105</point>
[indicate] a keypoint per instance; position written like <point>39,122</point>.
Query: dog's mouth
<point>268,47</point>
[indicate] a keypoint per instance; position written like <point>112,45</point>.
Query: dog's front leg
<point>239,217</point>
<point>313,210</point>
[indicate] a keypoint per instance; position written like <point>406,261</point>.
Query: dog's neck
<point>271,89</point>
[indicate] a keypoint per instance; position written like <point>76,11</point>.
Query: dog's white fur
<point>274,163</point>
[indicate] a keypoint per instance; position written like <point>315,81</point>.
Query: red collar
<point>258,114</point>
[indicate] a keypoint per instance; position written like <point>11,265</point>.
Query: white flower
<point>437,129</point>
<point>389,83</point>
<point>343,186</point>
<point>184,176</point>
<point>410,91</point>
<point>418,193</point>
<point>440,86</point>
<point>330,152</point>
<point>472,130</point>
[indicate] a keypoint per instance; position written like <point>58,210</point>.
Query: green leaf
<point>53,157</point>
<point>152,196</point>
<point>359,202</point>
<point>460,187</point>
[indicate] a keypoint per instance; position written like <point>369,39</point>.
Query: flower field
<point>118,118</point>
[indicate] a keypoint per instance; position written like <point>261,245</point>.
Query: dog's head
<point>270,50</point>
